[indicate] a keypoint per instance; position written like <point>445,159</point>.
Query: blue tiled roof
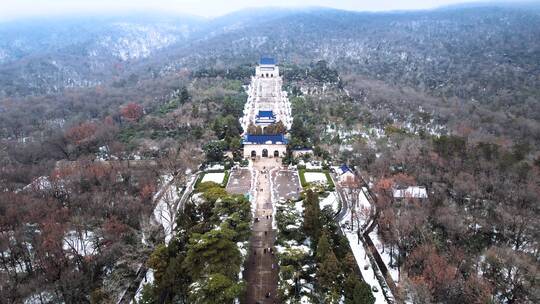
<point>266,114</point>
<point>263,139</point>
<point>344,168</point>
<point>267,60</point>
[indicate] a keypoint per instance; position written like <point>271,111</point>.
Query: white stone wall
<point>347,176</point>
<point>282,150</point>
<point>267,71</point>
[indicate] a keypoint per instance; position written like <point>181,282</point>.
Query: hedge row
<point>330,183</point>
<point>225,178</point>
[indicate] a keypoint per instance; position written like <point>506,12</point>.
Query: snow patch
<point>82,243</point>
<point>315,177</point>
<point>166,207</point>
<point>215,177</point>
<point>148,279</point>
<point>331,200</point>
<point>385,255</point>
<point>364,264</point>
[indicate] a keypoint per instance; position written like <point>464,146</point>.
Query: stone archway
<point>276,153</point>
<point>264,153</point>
<point>253,153</point>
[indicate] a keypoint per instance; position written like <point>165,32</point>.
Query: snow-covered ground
<point>164,180</point>
<point>363,261</point>
<point>299,206</point>
<point>313,166</point>
<point>331,200</point>
<point>384,255</point>
<point>165,211</point>
<point>292,246</point>
<point>315,177</point>
<point>359,251</point>
<point>216,177</point>
<point>364,207</point>
<point>253,191</point>
<point>273,197</point>
<point>39,298</point>
<point>411,192</point>
<point>83,243</point>
<point>148,279</point>
<point>168,203</point>
<point>136,41</point>
<point>41,183</point>
<point>215,167</point>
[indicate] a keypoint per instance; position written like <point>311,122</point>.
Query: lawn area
<point>314,176</point>
<point>219,177</point>
<point>216,177</point>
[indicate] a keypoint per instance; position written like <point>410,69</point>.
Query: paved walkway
<point>261,270</point>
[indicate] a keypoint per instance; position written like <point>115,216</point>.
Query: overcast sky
<point>15,9</point>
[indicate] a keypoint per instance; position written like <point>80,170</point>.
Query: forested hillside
<point>485,54</point>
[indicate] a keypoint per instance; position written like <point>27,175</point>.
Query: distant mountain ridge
<point>44,55</point>
<point>471,52</point>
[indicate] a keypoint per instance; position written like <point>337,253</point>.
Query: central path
<point>261,270</point>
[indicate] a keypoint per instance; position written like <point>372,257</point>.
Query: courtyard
<point>286,184</point>
<point>239,181</point>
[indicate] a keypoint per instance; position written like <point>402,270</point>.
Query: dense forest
<point>475,239</point>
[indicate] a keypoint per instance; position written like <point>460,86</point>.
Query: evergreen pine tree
<point>147,295</point>
<point>328,274</point>
<point>213,252</point>
<point>216,288</point>
<point>357,292</point>
<point>312,222</point>
<point>158,261</point>
<point>323,248</point>
<point>184,95</point>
